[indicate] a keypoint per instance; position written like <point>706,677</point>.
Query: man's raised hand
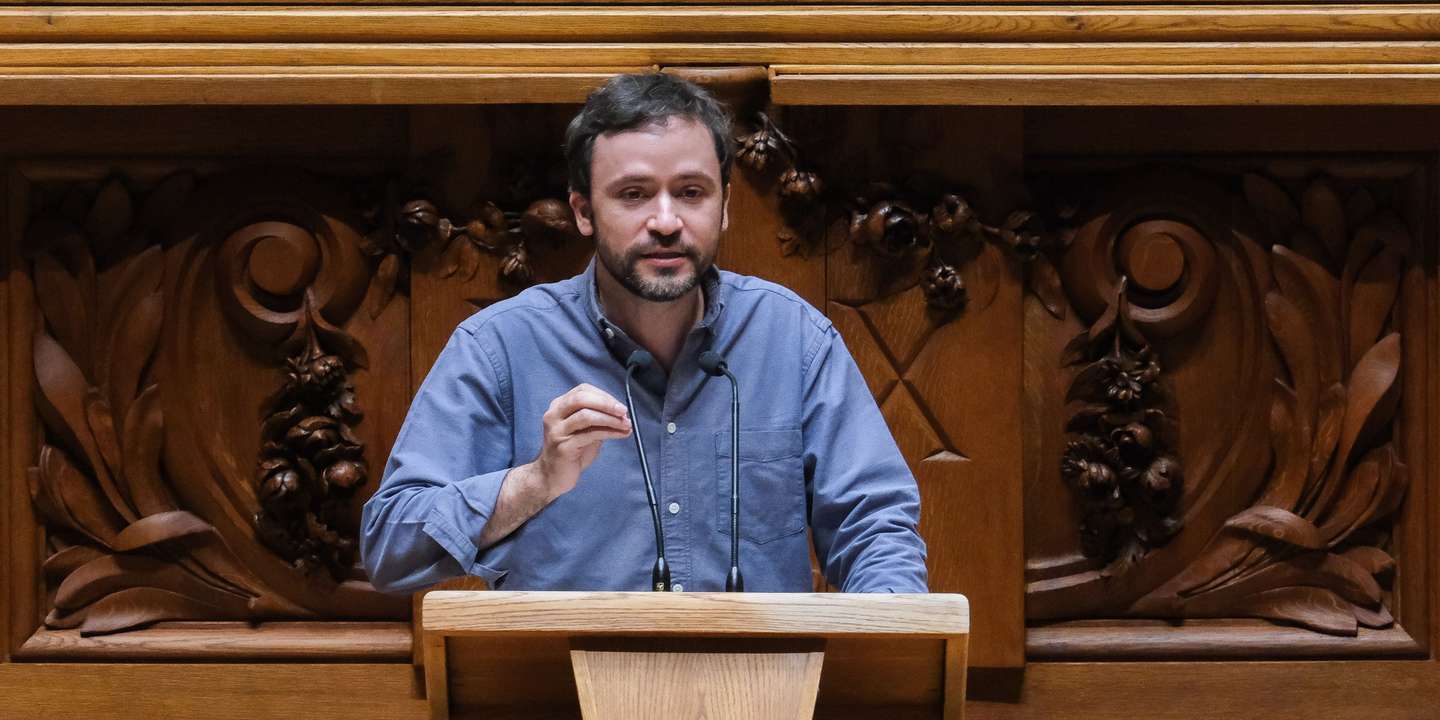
<point>575,426</point>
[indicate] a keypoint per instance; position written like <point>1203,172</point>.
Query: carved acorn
<point>800,185</point>
<point>756,149</point>
<point>313,434</point>
<point>943,287</point>
<point>489,225</point>
<point>550,220</point>
<point>1134,442</point>
<point>345,474</point>
<point>889,227</point>
<point>1089,468</point>
<point>1161,481</point>
<point>515,267</point>
<point>1024,232</point>
<point>280,480</point>
<point>953,218</point>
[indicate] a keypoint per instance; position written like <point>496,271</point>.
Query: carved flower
<point>889,227</point>
<point>952,217</point>
<point>943,286</point>
<point>800,185</point>
<point>1024,232</point>
<point>550,220</point>
<point>516,266</point>
<point>1161,481</point>
<point>1089,468</point>
<point>756,149</point>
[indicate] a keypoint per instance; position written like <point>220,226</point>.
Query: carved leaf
<point>66,308</point>
<point>162,204</point>
<point>1076,350</point>
<point>1297,346</point>
<point>344,344</point>
<point>62,563</point>
<point>159,528</point>
<point>468,257</point>
<point>1311,607</point>
<point>1045,283</point>
<point>47,502</point>
<point>1360,490</point>
<point>1359,207</point>
<point>61,400</point>
<point>1277,524</point>
<point>1371,299</point>
<point>109,574</point>
<point>132,328</point>
<point>1370,404</point>
<point>382,288</point>
<point>1316,294</point>
<point>1089,383</point>
<point>1106,323</point>
<point>1349,580</point>
<point>82,502</point>
<point>1374,560</point>
<point>102,429</point>
<point>1221,555</point>
<point>1087,418</point>
<point>1380,617</point>
<point>1271,204</point>
<point>144,438</point>
<point>1324,214</point>
<point>110,215</point>
<point>1287,439</point>
<point>1327,432</point>
<point>138,606</point>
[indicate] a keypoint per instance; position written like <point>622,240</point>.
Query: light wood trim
<point>1114,69</point>
<point>287,86</point>
<point>1210,640</point>
<point>232,642</point>
<point>217,691</point>
<point>533,55</point>
<point>697,614</point>
<point>956,672</point>
<point>1267,89</point>
<point>437,676</point>
<point>788,23</point>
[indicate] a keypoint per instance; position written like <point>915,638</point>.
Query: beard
<point>667,284</point>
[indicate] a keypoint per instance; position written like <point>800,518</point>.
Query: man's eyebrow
<point>631,178</point>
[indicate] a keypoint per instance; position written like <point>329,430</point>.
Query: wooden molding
<point>1208,640</point>
<point>231,642</point>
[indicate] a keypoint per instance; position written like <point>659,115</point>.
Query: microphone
<point>714,365</point>
<point>660,577</point>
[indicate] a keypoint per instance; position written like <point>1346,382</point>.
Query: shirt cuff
<point>455,523</point>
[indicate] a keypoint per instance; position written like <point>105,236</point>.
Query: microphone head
<point>712,363</point>
<point>639,360</point>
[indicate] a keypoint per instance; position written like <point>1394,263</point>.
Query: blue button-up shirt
<point>813,448</point>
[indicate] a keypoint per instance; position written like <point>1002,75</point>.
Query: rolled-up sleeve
<point>444,474</point>
<point>865,506</point>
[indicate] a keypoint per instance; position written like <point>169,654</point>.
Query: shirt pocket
<point>772,484</point>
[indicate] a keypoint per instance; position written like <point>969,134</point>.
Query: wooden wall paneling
<point>222,691</point>
<point>1402,690</point>
<point>25,594</point>
<point>953,408</point>
<point>1416,319</point>
<point>228,642</point>
<point>954,23</point>
<point>6,474</point>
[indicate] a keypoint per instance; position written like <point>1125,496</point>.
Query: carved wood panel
<point>202,372</point>
<point>1218,428</point>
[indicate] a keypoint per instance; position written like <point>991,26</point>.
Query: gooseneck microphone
<point>714,365</point>
<point>660,577</point>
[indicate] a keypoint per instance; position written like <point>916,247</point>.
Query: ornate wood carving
<point>1285,518</point>
<point>147,506</point>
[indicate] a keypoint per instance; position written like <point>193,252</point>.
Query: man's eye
<point>692,193</point>
<point>631,194</point>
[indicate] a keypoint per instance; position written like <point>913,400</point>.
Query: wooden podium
<point>685,656</point>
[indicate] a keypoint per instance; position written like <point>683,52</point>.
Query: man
<point>516,462</point>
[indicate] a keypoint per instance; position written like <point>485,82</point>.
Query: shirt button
<point>677,587</point>
<point>670,428</point>
<point>674,508</point>
<point>609,334</point>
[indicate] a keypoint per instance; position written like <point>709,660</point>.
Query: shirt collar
<point>715,295</point>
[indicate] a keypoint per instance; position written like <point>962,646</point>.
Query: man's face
<point>656,207</point>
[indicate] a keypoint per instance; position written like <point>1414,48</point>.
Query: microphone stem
<point>734,582</point>
<point>661,575</point>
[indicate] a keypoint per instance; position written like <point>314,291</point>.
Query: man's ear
<point>580,205</point>
<point>725,210</point>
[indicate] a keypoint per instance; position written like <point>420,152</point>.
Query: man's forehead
<point>680,144</point>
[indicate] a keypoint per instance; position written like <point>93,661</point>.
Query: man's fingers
<point>587,437</point>
<point>586,396</point>
<point>585,419</point>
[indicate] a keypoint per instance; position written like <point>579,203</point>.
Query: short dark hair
<point>627,102</point>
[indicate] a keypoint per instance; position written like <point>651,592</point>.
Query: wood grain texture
<point>720,24</point>
<point>7,583</point>
<point>879,57</point>
<point>649,680</point>
<point>24,594</point>
<point>328,642</point>
<point>1181,88</point>
<point>1209,640</point>
<point>1206,691</point>
<point>696,614</point>
<point>221,691</point>
<point>288,86</point>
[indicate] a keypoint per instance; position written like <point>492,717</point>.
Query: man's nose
<point>665,222</point>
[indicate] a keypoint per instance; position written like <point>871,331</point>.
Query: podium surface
<point>693,655</point>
